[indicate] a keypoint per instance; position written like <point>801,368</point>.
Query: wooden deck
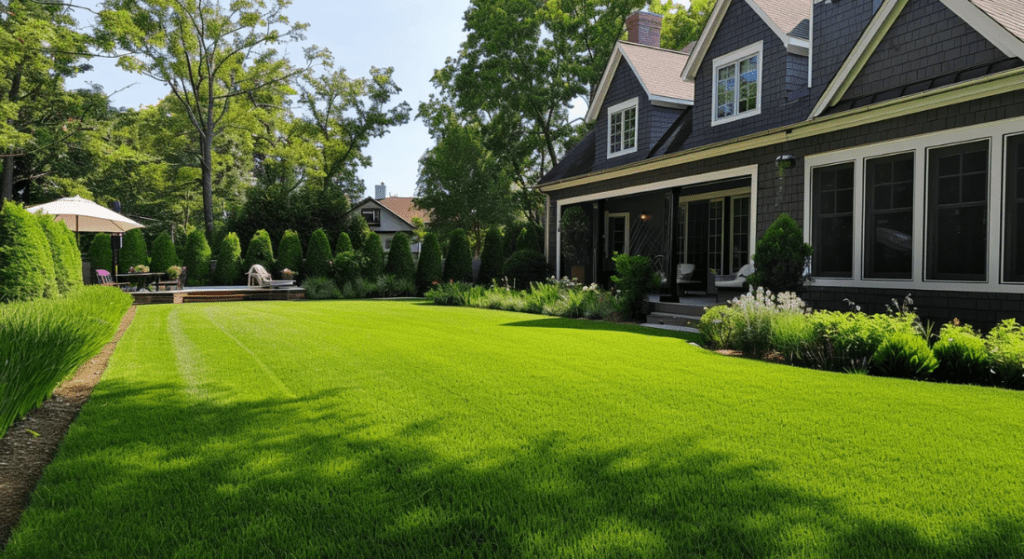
<point>217,295</point>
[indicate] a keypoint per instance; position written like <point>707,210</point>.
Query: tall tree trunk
<point>207,145</point>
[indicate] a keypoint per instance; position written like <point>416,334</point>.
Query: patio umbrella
<point>85,215</point>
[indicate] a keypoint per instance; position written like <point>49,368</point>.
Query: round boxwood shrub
<point>260,251</point>
<point>904,356</point>
<point>163,255</point>
<point>67,261</point>
<point>492,258</point>
<point>524,267</point>
<point>289,252</point>
<point>344,243</point>
<point>26,260</point>
<point>458,266</point>
<point>100,254</point>
<point>373,257</point>
<point>318,255</point>
<point>780,257</point>
<point>428,270</point>
<point>229,261</point>
<point>400,263</point>
<point>197,258</point>
<point>963,357</point>
<point>133,251</point>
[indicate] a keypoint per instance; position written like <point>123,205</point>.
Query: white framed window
<point>622,128</point>
<point>737,84</point>
<point>616,232</point>
<point>371,215</point>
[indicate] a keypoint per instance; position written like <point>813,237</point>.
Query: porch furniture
<point>103,277</point>
<point>735,282</point>
<point>141,280</point>
<point>684,273</point>
<point>260,277</point>
<point>174,284</point>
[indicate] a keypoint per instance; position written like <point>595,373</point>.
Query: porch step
<point>673,319</point>
<point>688,309</point>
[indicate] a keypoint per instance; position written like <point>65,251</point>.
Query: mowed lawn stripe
<point>400,429</point>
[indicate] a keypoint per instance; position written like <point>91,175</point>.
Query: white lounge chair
<point>735,281</point>
<point>684,276</point>
<point>259,276</point>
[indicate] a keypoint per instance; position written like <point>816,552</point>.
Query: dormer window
<point>372,216</point>
<point>622,127</point>
<point>737,90</point>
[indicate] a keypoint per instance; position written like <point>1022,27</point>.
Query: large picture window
<point>622,128</point>
<point>957,212</point>
<point>1013,258</point>
<point>832,189</point>
<point>889,217</point>
<point>737,89</point>
<point>740,233</point>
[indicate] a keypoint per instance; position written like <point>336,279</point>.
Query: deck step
<point>673,319</point>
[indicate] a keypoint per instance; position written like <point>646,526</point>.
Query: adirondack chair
<point>103,277</point>
<point>259,276</point>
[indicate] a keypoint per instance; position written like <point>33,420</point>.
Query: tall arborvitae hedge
<point>458,266</point>
<point>26,260</point>
<point>318,255</point>
<point>133,251</point>
<point>260,251</point>
<point>289,252</point>
<point>400,262</point>
<point>229,261</point>
<point>510,236</point>
<point>428,270</point>
<point>100,254</point>
<point>357,228</point>
<point>373,256</point>
<point>67,261</point>
<point>344,243</point>
<point>162,255</point>
<point>197,258</point>
<point>492,258</point>
<point>529,238</point>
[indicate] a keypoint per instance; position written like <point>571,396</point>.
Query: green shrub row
<point>44,341</point>
<point>38,256</point>
<point>563,298</point>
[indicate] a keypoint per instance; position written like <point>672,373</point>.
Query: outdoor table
<point>139,278</point>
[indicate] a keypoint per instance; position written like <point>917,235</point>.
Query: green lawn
<point>401,429</point>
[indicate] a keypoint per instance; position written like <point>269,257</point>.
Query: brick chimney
<point>644,28</point>
<point>382,192</point>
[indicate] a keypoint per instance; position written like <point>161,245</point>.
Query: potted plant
<point>174,272</point>
<point>138,269</point>
<point>288,274</point>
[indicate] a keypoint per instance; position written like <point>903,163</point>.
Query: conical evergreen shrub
<point>344,243</point>
<point>229,261</point>
<point>357,228</point>
<point>289,252</point>
<point>400,262</point>
<point>428,270</point>
<point>67,261</point>
<point>134,251</point>
<point>458,266</point>
<point>197,258</point>
<point>26,260</point>
<point>373,257</point>
<point>260,251</point>
<point>100,254</point>
<point>162,254</point>
<point>529,239</point>
<point>318,255</point>
<point>492,258</point>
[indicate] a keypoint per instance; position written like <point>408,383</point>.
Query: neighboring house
<point>388,215</point>
<point>891,130</point>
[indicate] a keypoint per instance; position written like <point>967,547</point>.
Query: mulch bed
<point>31,443</point>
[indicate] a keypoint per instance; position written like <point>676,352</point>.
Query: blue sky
<point>413,36</point>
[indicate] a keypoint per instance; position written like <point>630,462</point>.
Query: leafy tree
<point>229,261</point>
<point>163,255</point>
<point>344,243</point>
<point>318,255</point>
<point>682,25</point>
<point>373,256</point>
<point>100,254</point>
<point>260,251</point>
<point>429,268</point>
<point>400,262</point>
<point>357,228</point>
<point>458,265</point>
<point>134,250</point>
<point>780,257</point>
<point>492,258</point>
<point>529,238</point>
<point>197,258</point>
<point>26,260</point>
<point>67,261</point>
<point>289,251</point>
<point>208,54</point>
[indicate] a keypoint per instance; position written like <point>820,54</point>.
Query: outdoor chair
<point>735,282</point>
<point>684,273</point>
<point>103,277</point>
<point>259,276</point>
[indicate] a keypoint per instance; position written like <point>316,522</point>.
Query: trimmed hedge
<point>400,264</point>
<point>373,256</point>
<point>229,261</point>
<point>289,252</point>
<point>348,266</point>
<point>163,255</point>
<point>458,265</point>
<point>318,255</point>
<point>134,251</point>
<point>26,259</point>
<point>525,267</point>
<point>492,259</point>
<point>197,258</point>
<point>529,238</point>
<point>100,253</point>
<point>67,260</point>
<point>428,270</point>
<point>260,251</point>
<point>344,243</point>
<point>634,278</point>
<point>357,228</point>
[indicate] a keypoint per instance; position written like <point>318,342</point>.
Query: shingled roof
<point>1007,13</point>
<point>792,17</point>
<point>659,70</point>
<point>405,208</point>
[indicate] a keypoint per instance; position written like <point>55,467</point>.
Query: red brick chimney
<point>644,28</point>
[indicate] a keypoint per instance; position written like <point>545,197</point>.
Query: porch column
<point>672,200</point>
<point>597,220</point>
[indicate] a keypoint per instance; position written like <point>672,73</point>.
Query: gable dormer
<point>749,68</point>
<point>640,95</point>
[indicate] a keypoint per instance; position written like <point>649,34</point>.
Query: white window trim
<point>633,103</point>
<point>729,59</point>
<point>996,133</point>
<point>608,239</point>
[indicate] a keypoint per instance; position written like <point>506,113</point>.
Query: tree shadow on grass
<point>584,324</point>
<point>151,471</point>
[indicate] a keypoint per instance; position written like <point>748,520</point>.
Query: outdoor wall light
<point>785,161</point>
<point>644,216</point>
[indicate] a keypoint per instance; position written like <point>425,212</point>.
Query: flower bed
<point>557,297</point>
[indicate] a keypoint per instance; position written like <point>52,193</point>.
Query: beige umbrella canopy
<point>83,215</point>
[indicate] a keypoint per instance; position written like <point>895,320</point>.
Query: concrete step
<point>687,329</point>
<point>673,319</point>
<point>679,308</point>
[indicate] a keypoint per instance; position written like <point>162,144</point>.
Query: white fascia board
<point>604,84</point>
<point>670,102</point>
<point>798,46</point>
<point>982,23</point>
<point>859,55</point>
<point>704,43</point>
<point>769,22</point>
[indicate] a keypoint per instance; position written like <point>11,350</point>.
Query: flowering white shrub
<point>746,324</point>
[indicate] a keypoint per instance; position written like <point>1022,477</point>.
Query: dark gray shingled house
<point>891,130</point>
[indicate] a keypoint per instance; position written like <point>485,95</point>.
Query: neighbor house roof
<point>405,208</point>
<point>657,70</point>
